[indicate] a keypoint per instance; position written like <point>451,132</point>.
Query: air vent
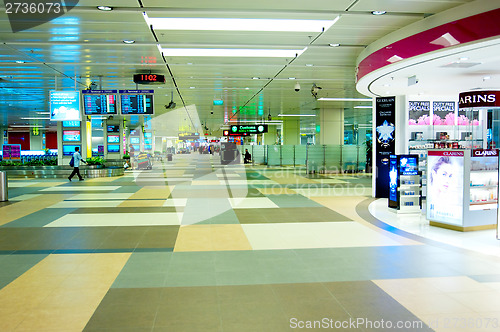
<point>461,64</point>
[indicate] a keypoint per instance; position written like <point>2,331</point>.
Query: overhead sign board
<point>245,130</point>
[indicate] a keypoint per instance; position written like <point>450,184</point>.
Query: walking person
<point>77,157</point>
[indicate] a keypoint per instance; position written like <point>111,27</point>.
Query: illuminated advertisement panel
<point>445,172</point>
<point>11,152</point>
<point>65,105</point>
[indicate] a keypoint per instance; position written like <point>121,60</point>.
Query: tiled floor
<point>194,246</point>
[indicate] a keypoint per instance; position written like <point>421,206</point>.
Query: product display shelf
<point>409,193</point>
<point>422,168</point>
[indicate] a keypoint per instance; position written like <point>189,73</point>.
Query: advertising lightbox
<point>65,105</point>
<point>113,139</point>
<point>71,136</point>
<point>445,172</point>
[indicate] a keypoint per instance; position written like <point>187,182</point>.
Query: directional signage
<point>245,130</point>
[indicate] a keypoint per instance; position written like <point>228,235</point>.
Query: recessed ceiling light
<point>486,78</point>
<point>334,45</point>
<point>255,78</point>
<point>19,61</point>
<point>247,88</point>
<point>291,78</point>
<point>379,12</point>
<point>191,87</point>
<point>309,64</point>
<point>129,41</point>
<point>105,8</point>
<point>387,85</point>
<point>464,58</point>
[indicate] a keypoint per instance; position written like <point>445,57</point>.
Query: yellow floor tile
<point>211,238</point>
<point>152,192</point>
<point>23,208</point>
<point>41,301</point>
<point>47,184</point>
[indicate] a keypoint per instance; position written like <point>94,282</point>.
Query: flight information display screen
<point>99,102</point>
<point>140,102</point>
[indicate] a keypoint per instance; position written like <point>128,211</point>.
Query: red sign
<point>446,153</point>
<point>479,99</point>
<point>485,153</point>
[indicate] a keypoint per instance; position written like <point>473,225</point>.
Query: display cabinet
<point>462,189</point>
<point>405,184</point>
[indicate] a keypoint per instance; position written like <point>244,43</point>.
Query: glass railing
<point>317,158</point>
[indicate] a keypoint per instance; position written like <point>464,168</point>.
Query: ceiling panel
<point>88,43</point>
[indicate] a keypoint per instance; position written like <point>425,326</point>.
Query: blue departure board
<point>136,103</point>
<point>99,102</point>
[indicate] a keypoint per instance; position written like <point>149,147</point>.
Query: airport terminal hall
<point>249,166</point>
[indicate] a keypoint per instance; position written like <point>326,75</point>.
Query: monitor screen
<point>148,147</point>
<point>99,104</point>
<point>134,132</point>
<point>71,124</point>
<point>113,139</point>
<point>137,148</point>
<point>65,105</point>
<point>136,104</point>
<point>71,136</point>
<point>134,140</point>
<point>112,148</point>
<point>148,135</point>
<point>113,129</point>
<point>147,141</point>
<point>68,150</point>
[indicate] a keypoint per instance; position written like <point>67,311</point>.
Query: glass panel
<point>333,158</point>
<point>258,154</point>
<point>287,157</point>
<point>273,155</point>
<point>315,158</point>
<point>349,158</point>
<point>300,155</point>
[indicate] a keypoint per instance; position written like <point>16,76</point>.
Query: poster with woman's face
<point>445,171</point>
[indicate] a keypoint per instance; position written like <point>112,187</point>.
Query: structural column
<point>331,126</point>
<point>269,138</point>
<point>291,131</point>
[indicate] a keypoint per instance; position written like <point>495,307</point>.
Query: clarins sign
<point>479,99</point>
<point>484,153</point>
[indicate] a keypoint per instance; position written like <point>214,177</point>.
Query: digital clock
<point>148,78</point>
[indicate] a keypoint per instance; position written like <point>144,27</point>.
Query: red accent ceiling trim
<point>469,29</point>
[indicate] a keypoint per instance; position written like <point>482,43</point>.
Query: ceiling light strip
<point>296,114</point>
<point>238,24</point>
<point>345,99</point>
<point>231,52</point>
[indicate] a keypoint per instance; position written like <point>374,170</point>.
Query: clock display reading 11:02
<point>148,78</point>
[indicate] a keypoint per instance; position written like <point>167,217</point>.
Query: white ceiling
<point>87,43</point>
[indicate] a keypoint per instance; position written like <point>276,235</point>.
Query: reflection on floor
<point>416,223</point>
<point>194,246</point>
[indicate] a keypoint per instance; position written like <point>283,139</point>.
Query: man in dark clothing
<point>247,157</point>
